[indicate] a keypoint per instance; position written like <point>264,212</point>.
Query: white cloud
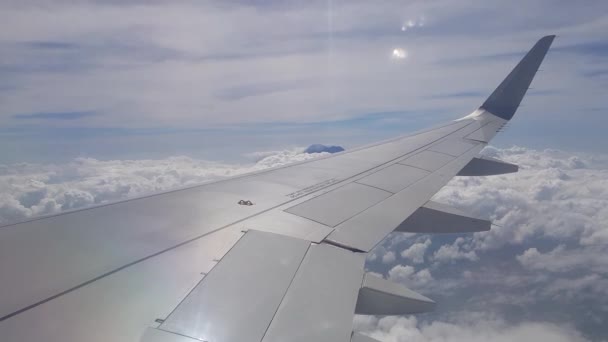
<point>388,258</point>
<point>372,256</point>
<point>562,259</point>
<point>408,276</point>
<point>543,258</point>
<point>555,195</point>
<point>481,328</point>
<point>593,287</point>
<point>455,252</point>
<point>416,252</point>
<point>401,272</point>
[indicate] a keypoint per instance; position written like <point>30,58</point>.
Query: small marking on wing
<point>312,188</point>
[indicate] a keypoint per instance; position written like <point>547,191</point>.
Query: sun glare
<point>399,53</point>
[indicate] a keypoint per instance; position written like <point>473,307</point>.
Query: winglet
<point>505,100</point>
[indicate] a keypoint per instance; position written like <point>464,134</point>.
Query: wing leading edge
<point>193,265</point>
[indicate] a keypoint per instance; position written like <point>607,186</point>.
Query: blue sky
<point>217,81</point>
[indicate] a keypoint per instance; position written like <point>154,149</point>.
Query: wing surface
<point>201,264</point>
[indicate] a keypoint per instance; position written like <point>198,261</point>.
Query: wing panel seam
<point>285,293</point>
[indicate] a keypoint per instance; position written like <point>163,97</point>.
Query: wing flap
<point>362,338</point>
<point>379,296</point>
<point>157,335</point>
<point>256,271</point>
<point>322,298</point>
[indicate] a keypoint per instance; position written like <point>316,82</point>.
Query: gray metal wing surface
<point>276,255</point>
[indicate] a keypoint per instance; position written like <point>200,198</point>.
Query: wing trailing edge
<point>357,337</point>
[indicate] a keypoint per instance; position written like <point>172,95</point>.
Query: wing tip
<point>548,37</point>
<point>505,99</point>
<point>546,41</point>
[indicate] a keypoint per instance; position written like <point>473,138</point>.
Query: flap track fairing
<point>435,217</point>
<point>486,166</point>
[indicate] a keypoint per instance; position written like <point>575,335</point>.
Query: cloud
<point>554,195</point>
<point>54,116</point>
<point>261,89</point>
<point>408,276</point>
<point>398,329</point>
<point>541,261</point>
<point>416,251</point>
<point>388,258</point>
<point>561,259</point>
<point>455,252</point>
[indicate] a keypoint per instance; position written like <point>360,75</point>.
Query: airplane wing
<point>276,255</point>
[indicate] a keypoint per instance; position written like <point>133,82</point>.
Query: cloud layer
<point>539,274</point>
<point>471,328</point>
<point>543,262</point>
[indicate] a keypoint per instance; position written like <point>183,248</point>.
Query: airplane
<point>270,256</point>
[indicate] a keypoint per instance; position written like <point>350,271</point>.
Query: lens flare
<point>399,53</point>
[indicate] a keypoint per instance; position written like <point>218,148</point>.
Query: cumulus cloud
<point>408,276</point>
<point>542,259</point>
<point>416,252</point>
<point>481,328</point>
<point>455,252</point>
<point>562,259</point>
<point>388,258</point>
<point>554,195</point>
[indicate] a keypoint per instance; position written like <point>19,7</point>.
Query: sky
<point>216,80</point>
<point>101,101</point>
